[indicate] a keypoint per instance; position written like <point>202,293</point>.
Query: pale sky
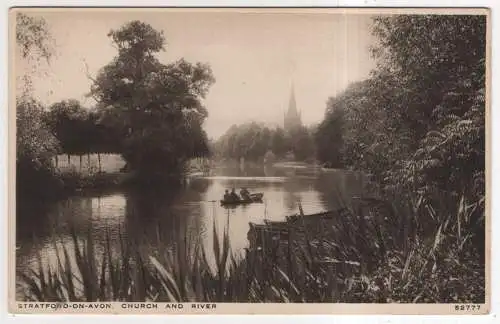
<point>254,58</point>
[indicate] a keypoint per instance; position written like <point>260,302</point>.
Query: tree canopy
<point>253,141</point>
<point>250,141</point>
<point>156,108</point>
<point>34,142</point>
<point>418,121</point>
<point>68,122</point>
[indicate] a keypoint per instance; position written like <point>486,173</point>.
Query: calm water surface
<point>146,218</point>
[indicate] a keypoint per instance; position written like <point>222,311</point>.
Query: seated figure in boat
<point>234,196</point>
<point>245,194</point>
<point>227,196</point>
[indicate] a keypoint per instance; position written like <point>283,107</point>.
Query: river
<point>192,210</point>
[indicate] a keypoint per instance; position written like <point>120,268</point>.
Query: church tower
<point>292,117</point>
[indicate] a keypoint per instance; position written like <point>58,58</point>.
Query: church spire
<point>292,117</point>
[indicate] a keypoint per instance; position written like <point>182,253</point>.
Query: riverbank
<point>293,164</point>
<point>61,185</point>
<point>67,180</point>
<point>75,182</point>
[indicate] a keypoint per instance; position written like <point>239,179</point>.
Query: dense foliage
<point>417,126</point>
<point>35,144</point>
<point>68,122</point>
<point>156,108</point>
<point>301,143</point>
<point>34,48</point>
<point>250,141</point>
<point>418,121</point>
<point>80,130</point>
<point>329,136</point>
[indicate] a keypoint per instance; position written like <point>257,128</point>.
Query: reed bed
<point>374,255</point>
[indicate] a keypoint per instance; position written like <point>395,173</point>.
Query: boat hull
<point>255,198</point>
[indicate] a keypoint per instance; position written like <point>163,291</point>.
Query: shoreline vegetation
<point>421,145</point>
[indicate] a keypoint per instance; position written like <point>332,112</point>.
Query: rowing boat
<point>254,198</point>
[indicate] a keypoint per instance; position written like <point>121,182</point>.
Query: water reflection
<point>149,218</point>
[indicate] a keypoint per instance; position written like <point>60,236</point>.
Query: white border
<point>495,300</point>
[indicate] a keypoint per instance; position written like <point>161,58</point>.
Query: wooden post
<point>99,161</point>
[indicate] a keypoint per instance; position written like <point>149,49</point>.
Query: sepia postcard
<point>249,161</point>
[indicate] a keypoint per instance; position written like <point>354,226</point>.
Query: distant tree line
<point>252,141</point>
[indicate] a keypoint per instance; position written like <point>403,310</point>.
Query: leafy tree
<point>259,141</point>
<point>33,44</point>
<point>34,47</point>
<point>250,141</point>
<point>329,138</point>
<point>253,140</point>
<point>368,140</point>
<point>80,130</point>
<point>156,108</point>
<point>35,145</point>
<point>418,121</point>
<point>100,137</point>
<point>279,144</point>
<point>439,63</point>
<point>301,143</point>
<point>69,123</point>
<point>417,125</point>
<point>34,142</point>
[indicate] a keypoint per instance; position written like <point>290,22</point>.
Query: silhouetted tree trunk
<point>88,161</point>
<point>99,161</point>
<point>80,163</point>
<point>69,159</point>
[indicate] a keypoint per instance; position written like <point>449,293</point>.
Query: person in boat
<point>245,194</point>
<point>234,196</point>
<point>227,196</point>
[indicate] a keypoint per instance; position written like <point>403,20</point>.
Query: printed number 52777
<point>467,307</point>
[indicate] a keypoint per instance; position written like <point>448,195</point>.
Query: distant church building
<point>292,119</point>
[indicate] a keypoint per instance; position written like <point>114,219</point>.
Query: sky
<point>255,58</point>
